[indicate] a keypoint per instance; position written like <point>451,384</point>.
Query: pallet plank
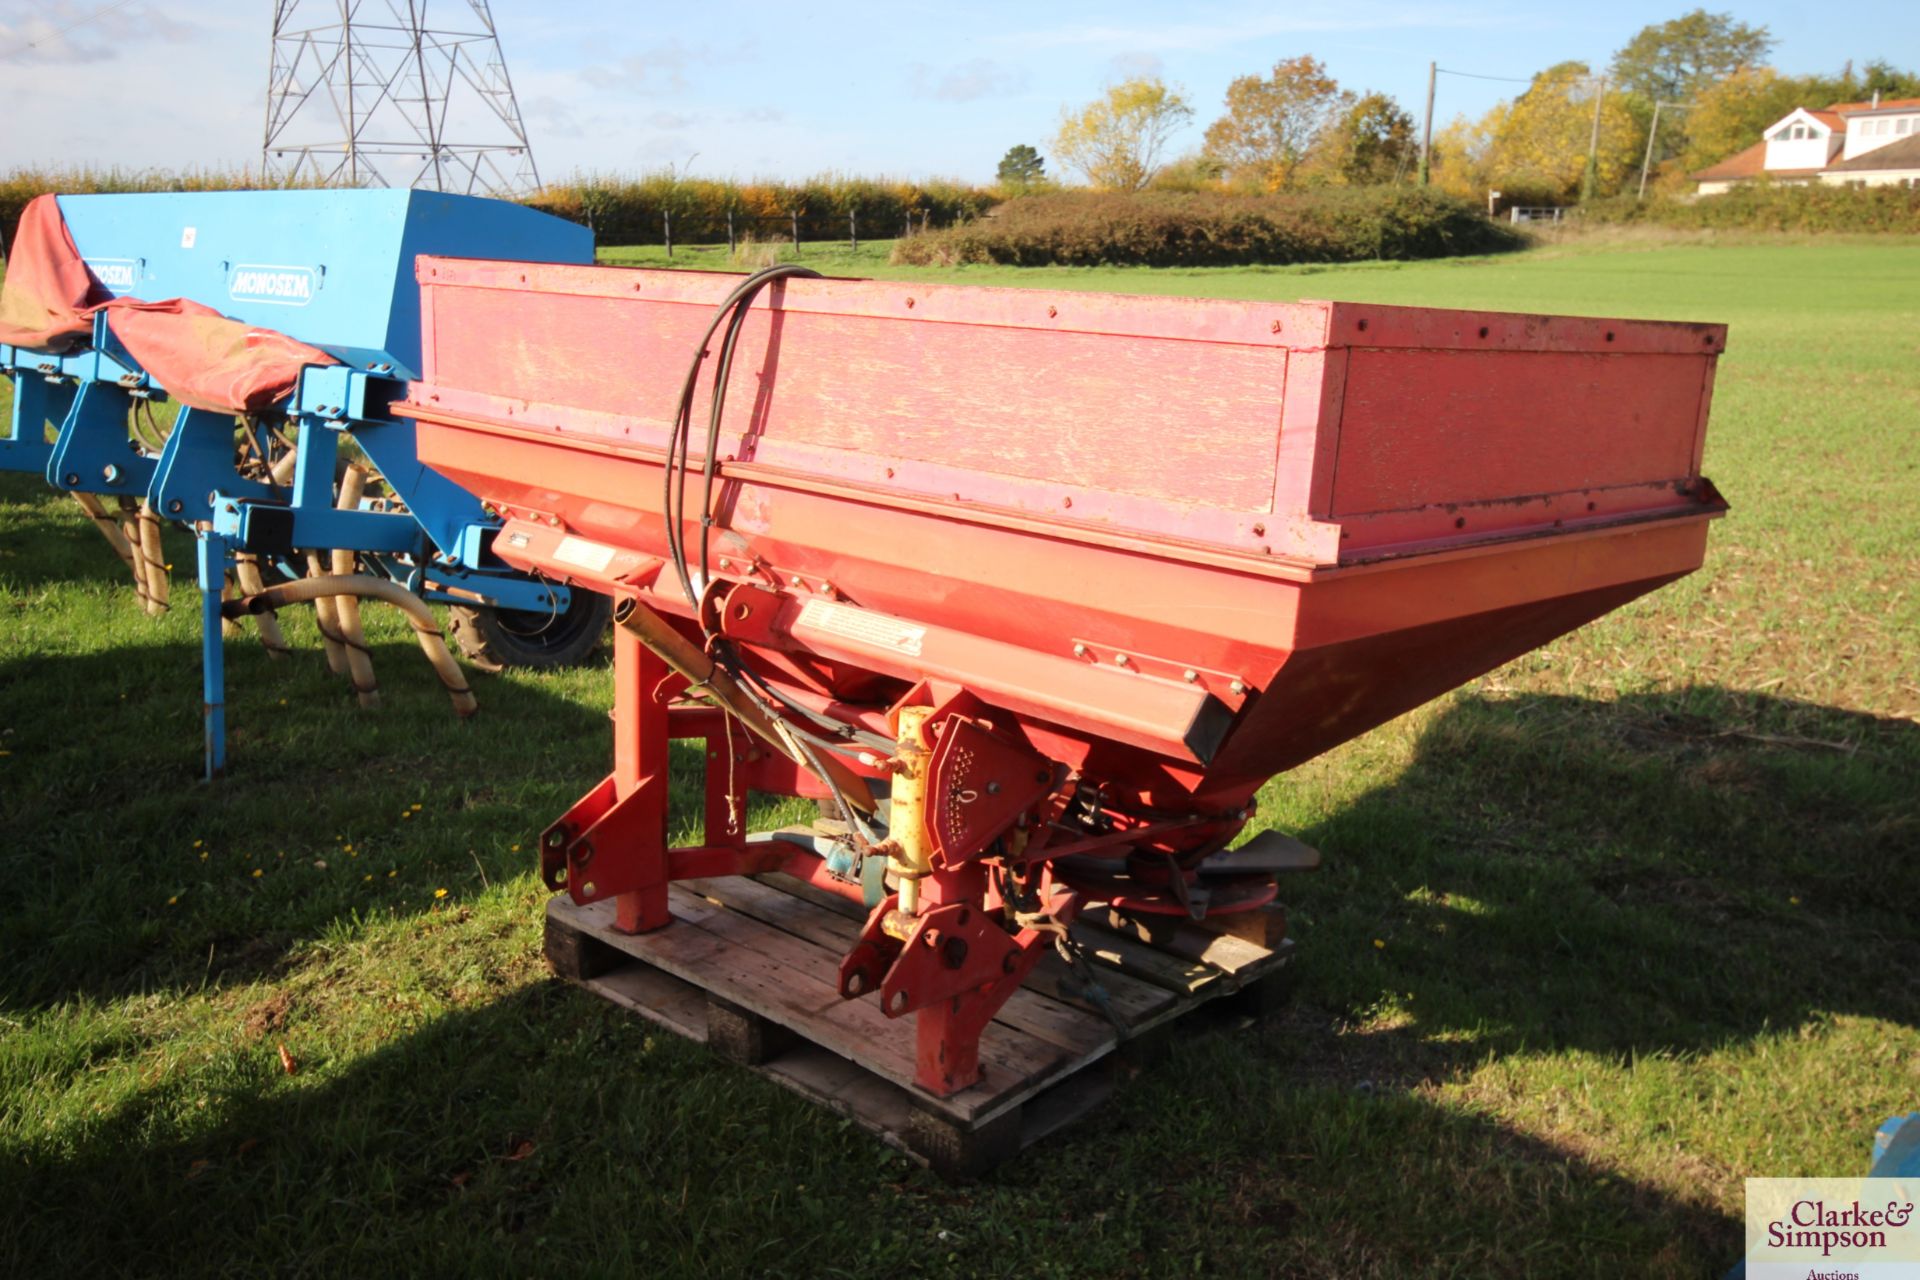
<point>1129,995</point>
<point>776,943</point>
<point>779,976</point>
<point>1070,1026</point>
<point>677,1005</point>
<point>1183,938</point>
<point>764,953</point>
<point>1178,975</point>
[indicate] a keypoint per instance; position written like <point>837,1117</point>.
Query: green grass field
<point>1599,935</point>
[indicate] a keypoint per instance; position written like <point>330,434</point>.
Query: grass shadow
<point>51,542</point>
<point>546,1132</point>
<point>1657,874</point>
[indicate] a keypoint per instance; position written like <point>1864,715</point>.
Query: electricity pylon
<point>375,94</point>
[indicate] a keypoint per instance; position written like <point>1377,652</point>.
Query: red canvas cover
<point>199,356</point>
<point>208,361</point>
<point>50,296</point>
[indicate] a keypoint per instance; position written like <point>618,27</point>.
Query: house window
<point>1901,125</point>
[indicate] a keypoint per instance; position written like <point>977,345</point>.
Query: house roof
<point>1885,104</point>
<point>1904,154</point>
<point>1750,163</point>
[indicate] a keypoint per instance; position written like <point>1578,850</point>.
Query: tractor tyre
<point>495,639</point>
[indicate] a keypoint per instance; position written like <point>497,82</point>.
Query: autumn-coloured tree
<point>1368,144</point>
<point>1272,124</point>
<point>1537,144</point>
<point>1117,139</point>
<point>1733,114</point>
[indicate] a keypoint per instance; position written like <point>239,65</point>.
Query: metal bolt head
<point>1238,686</point>
<point>725,563</point>
<point>1121,659</point>
<point>1079,651</point>
<point>1190,675</point>
<point>797,580</point>
<point>111,472</point>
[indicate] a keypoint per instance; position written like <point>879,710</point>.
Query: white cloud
<point>661,68</point>
<point>1136,64</point>
<point>67,32</point>
<point>968,81</point>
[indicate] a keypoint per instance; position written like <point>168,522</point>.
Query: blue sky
<point>911,89</point>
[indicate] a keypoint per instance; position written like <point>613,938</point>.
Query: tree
<point>1733,114</point>
<point>1889,81</point>
<point>1535,147</point>
<point>1678,60</point>
<point>1272,125</point>
<point>1736,112</point>
<point>1021,168</point>
<point>1116,139</point>
<point>1194,171</point>
<point>1369,144</point>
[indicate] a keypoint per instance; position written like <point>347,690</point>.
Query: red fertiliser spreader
<point>1033,590</point>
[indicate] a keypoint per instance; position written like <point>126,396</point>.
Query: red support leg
<point>947,1033</point>
<point>640,759</point>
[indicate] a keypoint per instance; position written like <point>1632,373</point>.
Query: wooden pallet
<point>749,968</point>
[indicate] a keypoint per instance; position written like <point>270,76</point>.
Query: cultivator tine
<point>246,573</point>
<point>327,619</point>
<point>229,628</point>
<point>347,607</point>
<point>159,587</point>
<point>109,527</point>
<point>130,534</point>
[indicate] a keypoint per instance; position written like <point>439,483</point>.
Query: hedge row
<point>1767,206</point>
<point>1203,229</point>
<point>620,210</point>
<point>638,210</point>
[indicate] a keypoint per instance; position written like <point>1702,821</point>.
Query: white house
<point>1855,144</point>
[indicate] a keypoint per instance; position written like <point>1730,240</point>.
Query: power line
<point>97,14</point>
<point>1475,75</point>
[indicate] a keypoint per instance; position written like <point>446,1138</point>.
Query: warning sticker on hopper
<point>591,556</point>
<point>862,627</point>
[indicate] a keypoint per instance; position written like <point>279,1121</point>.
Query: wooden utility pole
<point>1426,131</point>
<point>1653,132</point>
<point>1591,178</point>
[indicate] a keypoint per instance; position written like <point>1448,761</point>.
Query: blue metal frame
<point>333,269</point>
<point>42,396</point>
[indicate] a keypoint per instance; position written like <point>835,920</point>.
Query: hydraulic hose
<point>426,628</point>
